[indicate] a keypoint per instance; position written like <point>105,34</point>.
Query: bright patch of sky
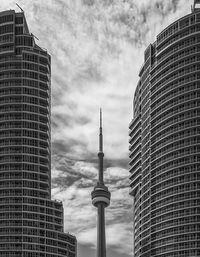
<point>97,50</point>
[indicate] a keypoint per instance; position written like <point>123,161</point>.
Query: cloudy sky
<point>97,50</point>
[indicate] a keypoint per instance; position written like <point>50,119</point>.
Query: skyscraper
<point>31,224</point>
<point>101,199</point>
<point>165,144</point>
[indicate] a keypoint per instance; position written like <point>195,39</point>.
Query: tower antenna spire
<point>100,133</point>
<point>100,117</point>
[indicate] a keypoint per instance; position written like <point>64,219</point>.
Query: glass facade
<point>165,144</point>
<point>31,224</point>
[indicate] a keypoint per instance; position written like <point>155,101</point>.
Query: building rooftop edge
<point>2,13</point>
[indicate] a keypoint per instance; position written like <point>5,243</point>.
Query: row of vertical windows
<point>182,102</point>
<point>20,183</point>
<point>23,99</point>
<point>188,160</point>
<point>35,58</point>
<point>159,200</point>
<point>32,254</point>
<point>175,119</point>
<point>23,192</point>
<point>6,38</point>
<point>176,154</point>
<point>176,230</point>
<point>24,124</point>
<point>157,85</point>
<point>22,175</point>
<point>51,207</point>
<point>24,40</point>
<point>177,205</point>
<point>36,84</point>
<point>182,253</point>
<point>176,214</point>
<point>188,31</point>
<point>23,90</point>
<point>167,189</point>
<point>28,74</point>
<point>23,150</point>
<point>19,20</point>
<point>178,246</point>
<point>9,65</point>
<point>6,48</point>
<point>31,223</point>
<point>23,158</point>
<point>23,166</point>
<point>6,58</point>
<point>181,85</point>
<point>23,133</point>
<point>26,116</point>
<point>174,66</point>
<point>177,53</point>
<point>187,169</point>
<point>25,108</point>
<point>174,90</point>
<point>177,145</point>
<point>19,30</point>
<point>6,18</point>
<point>6,28</point>
<point>168,32</point>
<point>171,134</point>
<point>176,74</point>
<point>24,141</point>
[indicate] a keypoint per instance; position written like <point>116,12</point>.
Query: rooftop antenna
<point>34,36</point>
<point>194,5</point>
<point>19,7</point>
<point>100,133</point>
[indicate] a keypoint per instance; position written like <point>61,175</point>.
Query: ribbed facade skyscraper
<point>165,144</point>
<point>31,224</point>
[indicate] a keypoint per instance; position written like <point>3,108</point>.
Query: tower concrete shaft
<point>101,199</point>
<point>101,237</point>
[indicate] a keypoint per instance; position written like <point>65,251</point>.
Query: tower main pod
<point>31,224</point>
<point>101,199</point>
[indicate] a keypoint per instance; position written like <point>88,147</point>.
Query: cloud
<point>121,234</point>
<point>76,198</point>
<point>97,50</point>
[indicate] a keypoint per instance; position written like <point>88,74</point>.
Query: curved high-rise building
<point>31,224</point>
<point>165,144</point>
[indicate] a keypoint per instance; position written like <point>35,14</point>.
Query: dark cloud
<point>164,8</point>
<point>62,119</point>
<point>66,147</point>
<point>121,163</point>
<point>88,2</point>
<point>91,72</point>
<point>65,119</point>
<point>64,181</point>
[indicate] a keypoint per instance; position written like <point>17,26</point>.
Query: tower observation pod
<point>101,199</point>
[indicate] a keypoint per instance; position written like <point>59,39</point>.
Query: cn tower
<point>101,199</point>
